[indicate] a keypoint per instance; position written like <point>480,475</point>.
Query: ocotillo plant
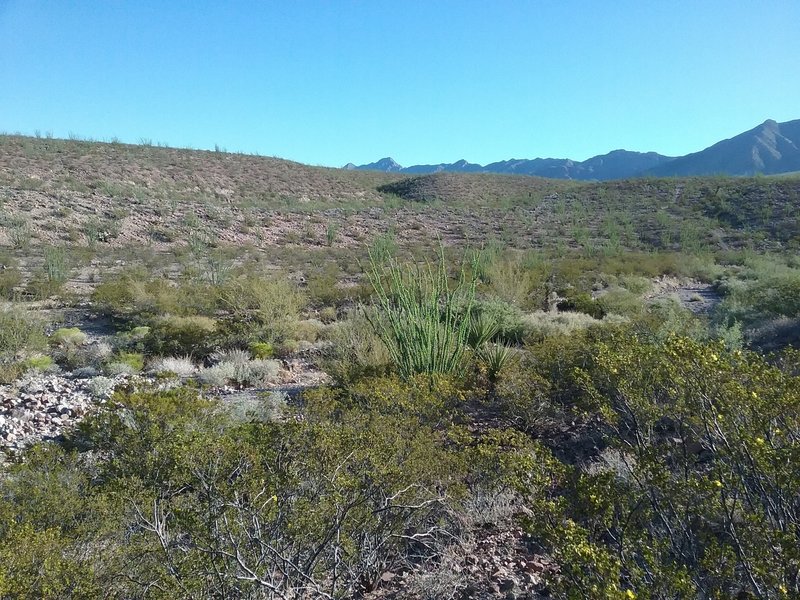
<point>422,317</point>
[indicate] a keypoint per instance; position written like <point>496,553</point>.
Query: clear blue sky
<point>326,82</point>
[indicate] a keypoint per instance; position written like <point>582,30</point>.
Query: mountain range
<point>767,149</point>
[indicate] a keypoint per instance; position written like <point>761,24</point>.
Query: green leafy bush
<point>190,336</point>
<point>71,337</point>
<point>134,360</point>
<point>20,331</point>
<point>10,279</point>
<point>702,487</point>
<point>262,349</point>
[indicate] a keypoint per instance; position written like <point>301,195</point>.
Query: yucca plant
<point>482,329</point>
<point>495,358</point>
<point>422,317</point>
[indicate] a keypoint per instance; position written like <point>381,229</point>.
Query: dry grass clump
<point>182,366</point>
<point>236,366</point>
<point>541,324</point>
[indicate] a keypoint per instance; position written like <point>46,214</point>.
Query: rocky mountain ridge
<point>769,148</point>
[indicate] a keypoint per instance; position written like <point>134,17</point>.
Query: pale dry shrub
<point>217,375</point>
<point>540,324</point>
<point>101,387</point>
<point>182,366</point>
<point>120,368</point>
<point>96,353</point>
<point>490,507</point>
<point>237,366</point>
<point>446,580</point>
<point>262,371</point>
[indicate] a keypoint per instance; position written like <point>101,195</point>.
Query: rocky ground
<point>699,297</point>
<point>43,407</point>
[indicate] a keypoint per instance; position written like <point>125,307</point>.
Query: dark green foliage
<point>582,302</point>
<point>181,336</point>
<point>180,501</point>
<point>10,279</point>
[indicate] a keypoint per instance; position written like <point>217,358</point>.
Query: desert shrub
<point>357,495</point>
<point>668,317</point>
<point>101,387</point>
<point>258,306</point>
<point>45,505</point>
<point>71,351</point>
<point>522,395</point>
<point>328,314</point>
<point>517,284</point>
<point>731,336</point>
<point>778,296</point>
<point>96,352</point>
<point>10,280</point>
<point>182,366</point>
<point>236,366</point>
<point>119,368</point>
<point>136,294</point>
<point>262,372</point>
<point>68,337</point>
<point>287,348</point>
<point>635,284</point>
<point>131,340</point>
<point>621,301</point>
<point>420,399</point>
<point>506,318</point>
<point>582,302</point>
<point>172,335</point>
<point>264,407</point>
<point>134,360</point>
<point>217,375</point>
<point>323,287</point>
<point>308,330</point>
<point>40,363</point>
<point>261,349</point>
<point>119,294</point>
<point>539,325</point>
<point>355,351</point>
<point>706,440</point>
<point>20,332</point>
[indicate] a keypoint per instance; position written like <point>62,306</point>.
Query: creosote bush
<point>177,491</point>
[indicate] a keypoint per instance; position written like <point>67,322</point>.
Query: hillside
<point>85,193</point>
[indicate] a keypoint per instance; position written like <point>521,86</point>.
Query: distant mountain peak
<point>387,164</point>
<point>770,147</point>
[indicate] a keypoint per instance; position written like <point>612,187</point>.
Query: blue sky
<point>425,82</point>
